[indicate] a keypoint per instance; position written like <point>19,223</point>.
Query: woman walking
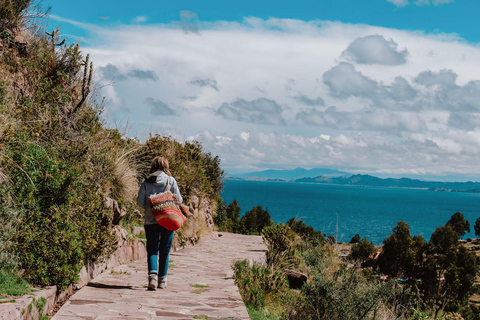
<point>159,239</point>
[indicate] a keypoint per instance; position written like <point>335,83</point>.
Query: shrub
<point>355,239</point>
<point>256,282</point>
<point>346,296</point>
<point>307,233</point>
<point>278,238</point>
<point>251,282</point>
<point>11,13</point>
<point>255,220</point>
<point>196,171</point>
<point>362,250</point>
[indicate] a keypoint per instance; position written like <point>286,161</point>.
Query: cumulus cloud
<point>188,21</point>
<point>159,108</point>
<point>140,19</point>
<point>403,3</point>
<point>420,116</point>
<point>428,90</point>
<point>434,2</point>
<point>400,3</point>
<point>401,90</point>
<point>444,93</point>
<point>143,74</point>
<point>212,83</point>
<point>318,101</point>
<point>375,49</point>
<point>464,121</point>
<point>364,120</point>
<point>111,72</point>
<point>419,154</point>
<point>261,111</point>
<point>443,78</point>
<point>344,81</point>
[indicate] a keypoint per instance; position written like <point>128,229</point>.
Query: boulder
<point>295,278</point>
<point>138,230</point>
<point>118,213</point>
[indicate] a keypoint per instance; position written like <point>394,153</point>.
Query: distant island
<point>336,177</point>
<point>293,174</point>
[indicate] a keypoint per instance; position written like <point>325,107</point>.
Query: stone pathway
<point>200,285</point>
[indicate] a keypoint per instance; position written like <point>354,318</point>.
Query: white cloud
<point>344,81</point>
<point>393,122</point>
<point>318,101</point>
<point>212,83</point>
<point>188,21</point>
<point>370,153</point>
<point>375,49</point>
<point>159,108</point>
<point>403,3</point>
<point>269,86</point>
<point>140,19</point>
<point>400,3</point>
<point>262,110</point>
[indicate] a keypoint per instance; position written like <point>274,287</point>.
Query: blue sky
<point>386,87</point>
<point>459,17</point>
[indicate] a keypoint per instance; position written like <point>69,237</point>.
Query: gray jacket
<point>155,183</point>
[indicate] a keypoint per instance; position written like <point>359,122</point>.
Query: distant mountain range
<point>371,181</point>
<point>291,174</point>
<point>336,177</point>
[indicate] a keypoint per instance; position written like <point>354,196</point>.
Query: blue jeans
<point>159,242</point>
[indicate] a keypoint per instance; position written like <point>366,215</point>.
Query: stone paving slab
<point>200,282</point>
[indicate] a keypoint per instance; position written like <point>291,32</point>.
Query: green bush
<point>355,239</point>
<point>53,213</point>
<point>227,218</point>
<point>362,250</point>
<point>58,163</point>
<point>308,233</point>
<point>11,13</point>
<point>278,238</point>
<point>251,282</point>
<point>346,296</point>
<point>196,170</point>
<point>256,282</point>
<point>253,221</point>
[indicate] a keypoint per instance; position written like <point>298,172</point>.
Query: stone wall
<point>199,225</point>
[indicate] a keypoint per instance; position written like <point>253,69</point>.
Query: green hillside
<point>59,162</point>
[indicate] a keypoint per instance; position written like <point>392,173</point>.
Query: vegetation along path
<point>200,285</point>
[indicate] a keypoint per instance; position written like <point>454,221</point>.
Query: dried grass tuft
<point>125,172</point>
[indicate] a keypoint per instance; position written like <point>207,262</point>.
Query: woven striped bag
<point>167,210</point>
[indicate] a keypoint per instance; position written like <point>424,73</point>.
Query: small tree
<point>449,260</point>
<point>233,215</point>
<point>401,253</point>
<point>255,220</point>
<point>477,227</point>
<point>459,224</point>
<point>220,218</point>
<point>307,233</point>
<point>362,250</point>
<point>355,239</point>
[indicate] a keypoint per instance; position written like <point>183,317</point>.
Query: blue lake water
<point>369,211</point>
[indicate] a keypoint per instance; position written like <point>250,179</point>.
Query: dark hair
<point>160,163</point>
